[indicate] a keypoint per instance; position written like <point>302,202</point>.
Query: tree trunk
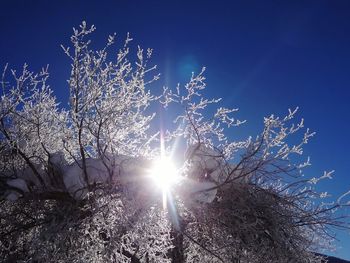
<point>177,252</point>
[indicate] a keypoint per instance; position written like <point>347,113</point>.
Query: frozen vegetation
<point>76,184</point>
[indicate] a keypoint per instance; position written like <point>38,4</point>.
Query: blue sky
<point>261,56</point>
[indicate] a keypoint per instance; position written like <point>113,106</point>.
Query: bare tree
<point>75,183</point>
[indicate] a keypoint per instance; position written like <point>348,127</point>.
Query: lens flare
<point>164,173</point>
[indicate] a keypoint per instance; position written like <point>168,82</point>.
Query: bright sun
<point>164,173</point>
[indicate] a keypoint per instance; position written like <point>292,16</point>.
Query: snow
<point>204,173</point>
<point>73,177</point>
<point>19,184</point>
<point>200,191</point>
<point>122,168</point>
<point>12,195</point>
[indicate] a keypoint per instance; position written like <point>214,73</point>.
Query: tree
<point>75,183</point>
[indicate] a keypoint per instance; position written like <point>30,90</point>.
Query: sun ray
<point>164,173</point>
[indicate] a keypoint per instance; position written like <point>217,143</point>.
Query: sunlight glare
<point>164,173</point>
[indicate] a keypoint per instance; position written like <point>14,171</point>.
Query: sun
<point>164,173</point>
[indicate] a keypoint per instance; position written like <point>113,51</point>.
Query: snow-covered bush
<point>75,183</point>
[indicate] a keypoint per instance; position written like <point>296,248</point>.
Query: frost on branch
<point>75,184</point>
<point>243,198</point>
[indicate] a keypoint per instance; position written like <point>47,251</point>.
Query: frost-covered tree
<point>92,183</point>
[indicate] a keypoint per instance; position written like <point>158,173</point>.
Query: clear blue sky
<point>261,56</point>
